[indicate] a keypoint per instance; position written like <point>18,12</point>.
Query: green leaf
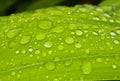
<point>61,44</point>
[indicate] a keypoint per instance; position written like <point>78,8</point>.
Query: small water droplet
<point>12,33</point>
<point>95,33</point>
<point>112,33</point>
<point>58,29</point>
<point>55,79</point>
<point>78,32</point>
<point>45,24</point>
<point>86,67</point>
<point>78,45</point>
<point>23,51</point>
<point>17,52</point>
<point>40,36</point>
<point>118,31</point>
<point>60,47</point>
<point>99,59</point>
<point>87,51</point>
<point>44,54</point>
<point>114,66</point>
<point>48,44</point>
<point>50,66</point>
<point>69,40</point>
<point>68,62</point>
<point>30,49</point>
<point>116,42</point>
<point>37,51</point>
<point>13,73</point>
<point>50,52</point>
<point>25,39</point>
<point>72,27</point>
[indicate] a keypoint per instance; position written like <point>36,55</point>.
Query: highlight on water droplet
<point>45,24</point>
<point>13,32</point>
<point>56,79</point>
<point>68,62</point>
<point>112,33</point>
<point>86,67</point>
<point>78,45</point>
<point>69,40</point>
<point>116,41</point>
<point>17,52</point>
<point>30,49</point>
<point>40,36</point>
<point>50,66</point>
<point>95,33</point>
<point>58,29</point>
<point>48,44</point>
<point>25,39</point>
<point>78,32</point>
<point>114,66</point>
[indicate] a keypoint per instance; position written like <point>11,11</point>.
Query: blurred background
<point>8,7</point>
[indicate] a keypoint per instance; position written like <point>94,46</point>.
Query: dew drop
<point>30,49</point>
<point>25,39</point>
<point>72,27</point>
<point>99,59</point>
<point>78,45</point>
<point>95,33</point>
<point>87,51</point>
<point>13,73</point>
<point>68,62</point>
<point>45,24</point>
<point>86,67</point>
<point>78,32</point>
<point>112,33</point>
<point>60,47</point>
<point>114,66</point>
<point>55,79</point>
<point>69,40</point>
<point>58,29</point>
<point>12,33</point>
<point>118,31</point>
<point>116,42</point>
<point>50,66</point>
<point>37,51</point>
<point>48,44</point>
<point>40,36</point>
<point>17,52</point>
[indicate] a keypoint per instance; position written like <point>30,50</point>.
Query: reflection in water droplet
<point>78,32</point>
<point>112,33</point>
<point>30,49</point>
<point>86,67</point>
<point>68,62</point>
<point>48,44</point>
<point>17,52</point>
<point>40,36</point>
<point>94,33</point>
<point>50,66</point>
<point>78,45</point>
<point>99,59</point>
<point>116,42</point>
<point>60,47</point>
<point>44,24</point>
<point>12,33</point>
<point>69,40</point>
<point>25,39</point>
<point>114,66</point>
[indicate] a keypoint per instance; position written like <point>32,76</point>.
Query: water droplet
<point>116,42</point>
<point>72,27</point>
<point>87,51</point>
<point>17,52</point>
<point>58,29</point>
<point>50,52</point>
<point>68,62</point>
<point>48,44</point>
<point>30,49</point>
<point>37,51</point>
<point>50,66</point>
<point>25,39</point>
<point>13,73</point>
<point>94,33</point>
<point>45,24</point>
<point>78,32</point>
<point>60,47</point>
<point>86,67</point>
<point>40,36</point>
<point>12,33</point>
<point>118,31</point>
<point>55,79</point>
<point>78,45</point>
<point>114,66</point>
<point>99,59</point>
<point>112,33</point>
<point>23,51</point>
<point>69,40</point>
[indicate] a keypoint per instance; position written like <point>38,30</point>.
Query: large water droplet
<point>86,67</point>
<point>68,62</point>
<point>78,32</point>
<point>48,44</point>
<point>58,29</point>
<point>60,47</point>
<point>78,45</point>
<point>40,36</point>
<point>45,24</point>
<point>12,33</point>
<point>50,66</point>
<point>116,42</point>
<point>25,39</point>
<point>69,40</point>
